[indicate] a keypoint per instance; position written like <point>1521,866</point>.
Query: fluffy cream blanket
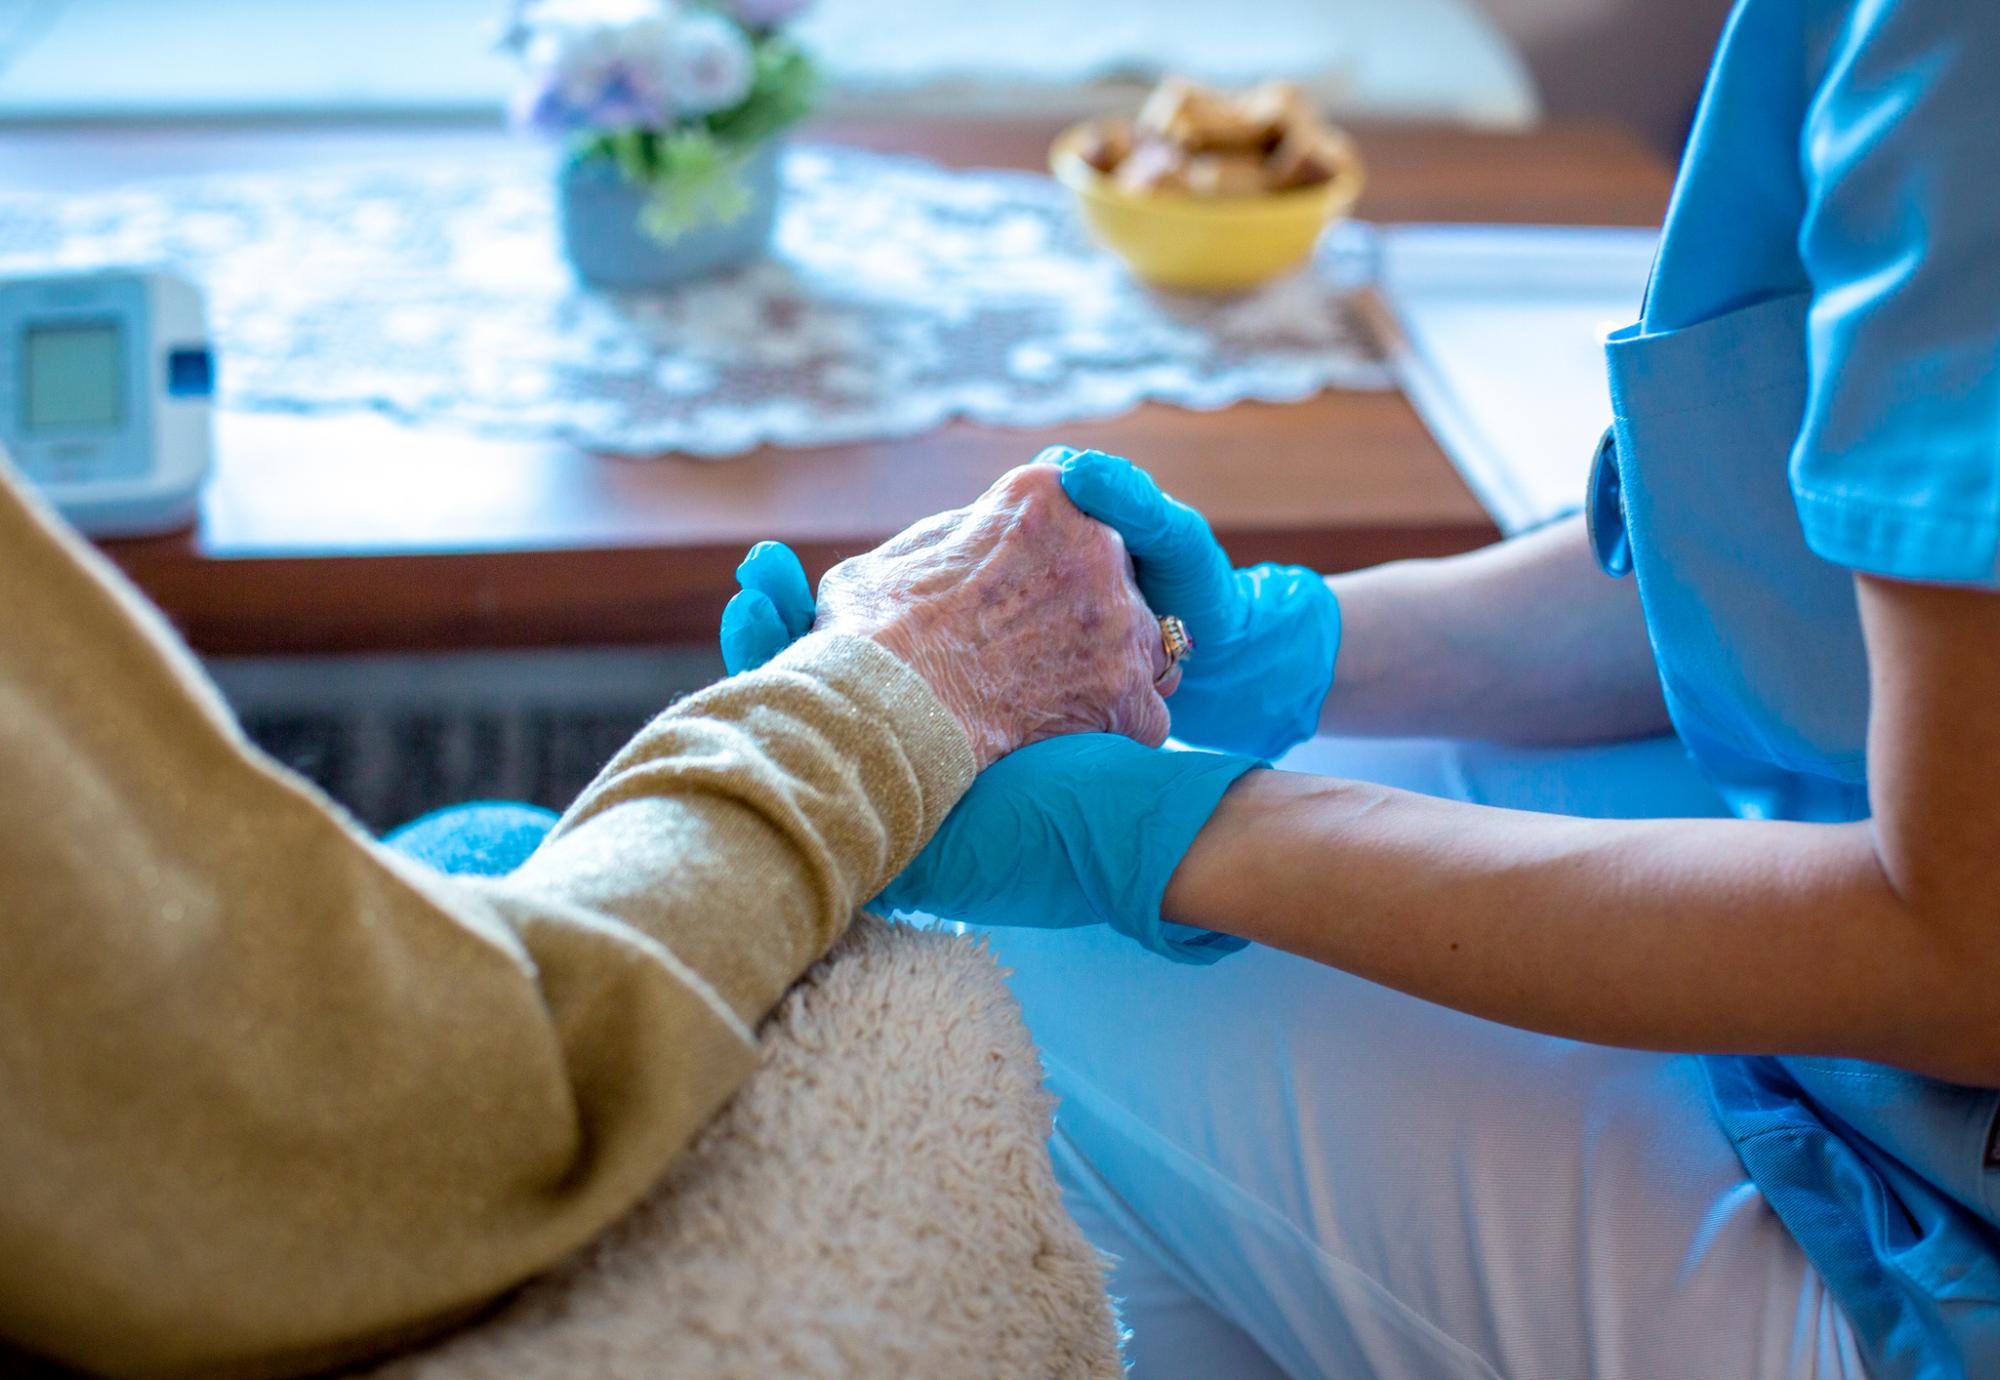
<point>876,1202</point>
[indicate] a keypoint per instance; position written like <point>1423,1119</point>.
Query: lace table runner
<point>899,296</point>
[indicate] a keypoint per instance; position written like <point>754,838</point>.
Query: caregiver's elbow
<point>1948,1027</point>
<point>1958,1053</point>
<point>1927,953</point>
<point>1968,1048</point>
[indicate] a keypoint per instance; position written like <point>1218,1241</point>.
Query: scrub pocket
<point>1758,640</point>
<point>1943,1131</point>
<point>1881,1176</point>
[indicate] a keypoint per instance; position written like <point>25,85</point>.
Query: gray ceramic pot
<point>607,246</point>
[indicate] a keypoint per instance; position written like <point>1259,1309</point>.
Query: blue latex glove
<point>772,609</point>
<point>1265,638</point>
<point>1080,830</point>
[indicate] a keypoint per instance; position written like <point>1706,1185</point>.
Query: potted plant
<point>670,113</point>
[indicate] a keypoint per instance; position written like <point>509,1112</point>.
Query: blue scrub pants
<point>1304,1174</point>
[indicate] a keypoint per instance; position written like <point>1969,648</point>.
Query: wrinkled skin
<point>1019,611</point>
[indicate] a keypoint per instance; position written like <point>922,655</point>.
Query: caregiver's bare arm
<point>1526,641</point>
<point>1878,940</point>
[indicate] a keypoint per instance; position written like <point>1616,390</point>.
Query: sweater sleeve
<point>275,1097</point>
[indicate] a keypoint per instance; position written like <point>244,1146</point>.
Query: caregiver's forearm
<point>1695,935</point>
<point>1526,641</point>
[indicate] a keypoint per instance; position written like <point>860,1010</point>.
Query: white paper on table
<point>1496,334</point>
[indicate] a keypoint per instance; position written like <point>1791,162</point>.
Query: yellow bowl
<point>1203,244</point>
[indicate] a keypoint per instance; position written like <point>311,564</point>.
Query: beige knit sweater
<point>272,1097</point>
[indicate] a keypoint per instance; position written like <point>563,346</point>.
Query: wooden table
<point>353,533</point>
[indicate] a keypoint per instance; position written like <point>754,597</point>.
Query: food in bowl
<point>1209,191</point>
<point>1196,141</point>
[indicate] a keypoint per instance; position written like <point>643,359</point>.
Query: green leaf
<point>783,89</point>
<point>697,182</point>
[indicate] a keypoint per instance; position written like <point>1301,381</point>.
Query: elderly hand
<point>1018,611</point>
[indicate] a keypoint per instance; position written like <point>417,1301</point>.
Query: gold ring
<point>1175,638</point>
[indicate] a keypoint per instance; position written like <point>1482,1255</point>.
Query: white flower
<point>630,64</point>
<point>556,14</point>
<point>706,65</point>
<point>597,64</point>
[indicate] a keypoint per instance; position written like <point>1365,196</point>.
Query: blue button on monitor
<point>191,372</point>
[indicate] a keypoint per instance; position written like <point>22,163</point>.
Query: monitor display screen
<point>76,377</point>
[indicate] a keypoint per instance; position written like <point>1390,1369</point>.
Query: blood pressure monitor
<point>106,382</point>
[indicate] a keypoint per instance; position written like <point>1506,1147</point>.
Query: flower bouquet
<point>670,112</point>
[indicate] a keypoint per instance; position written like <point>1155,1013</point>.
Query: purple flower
<point>627,101</point>
<point>589,65</point>
<point>767,14</point>
<point>539,106</point>
<point>630,64</point>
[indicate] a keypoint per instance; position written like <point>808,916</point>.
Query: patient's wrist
<point>937,668</point>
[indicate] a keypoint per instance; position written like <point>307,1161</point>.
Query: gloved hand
<point>772,609</point>
<point>1079,830</point>
<point>1265,638</point>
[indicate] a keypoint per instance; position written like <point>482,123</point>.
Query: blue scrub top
<point>1813,389</point>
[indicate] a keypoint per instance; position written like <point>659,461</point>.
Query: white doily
<point>899,296</point>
